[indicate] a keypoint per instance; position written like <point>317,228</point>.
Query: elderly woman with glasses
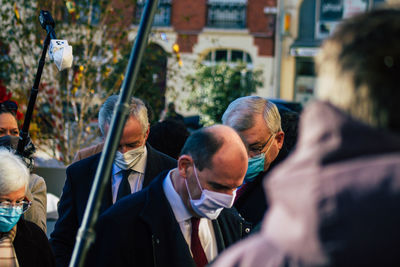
<point>9,136</point>
<point>22,243</point>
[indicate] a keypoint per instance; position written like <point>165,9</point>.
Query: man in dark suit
<point>184,217</point>
<point>259,123</point>
<point>135,166</point>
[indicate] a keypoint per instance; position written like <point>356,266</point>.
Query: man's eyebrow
<point>219,186</point>
<point>258,143</point>
<point>134,143</point>
<point>130,144</point>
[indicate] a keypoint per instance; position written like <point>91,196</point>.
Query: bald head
<point>204,144</point>
<point>231,159</point>
<point>232,145</point>
<point>219,155</point>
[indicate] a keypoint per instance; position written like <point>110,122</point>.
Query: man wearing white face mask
<point>136,164</point>
<point>184,218</point>
<point>258,121</point>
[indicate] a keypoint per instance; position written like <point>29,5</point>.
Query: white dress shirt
<point>182,216</point>
<point>135,178</point>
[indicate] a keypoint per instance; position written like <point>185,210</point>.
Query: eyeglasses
<point>8,208</point>
<point>257,149</point>
<point>9,105</point>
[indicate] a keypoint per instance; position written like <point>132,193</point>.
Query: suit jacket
<point>141,230</point>
<point>80,176</point>
<point>37,193</point>
<point>252,203</point>
<point>87,152</point>
<point>31,246</point>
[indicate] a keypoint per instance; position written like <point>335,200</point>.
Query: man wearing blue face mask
<point>136,164</point>
<point>258,121</point>
<point>184,218</point>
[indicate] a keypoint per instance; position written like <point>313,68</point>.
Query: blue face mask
<point>9,218</point>
<point>256,165</point>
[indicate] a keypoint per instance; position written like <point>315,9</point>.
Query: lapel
<point>229,228</point>
<point>150,172</point>
<point>169,245</point>
<point>218,236</point>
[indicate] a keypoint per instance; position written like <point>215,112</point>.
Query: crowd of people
<point>267,187</point>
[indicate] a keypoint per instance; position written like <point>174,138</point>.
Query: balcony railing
<point>226,15</point>
<point>162,16</point>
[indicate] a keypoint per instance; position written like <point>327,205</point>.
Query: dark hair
<point>202,146</point>
<point>168,136</point>
<point>9,106</point>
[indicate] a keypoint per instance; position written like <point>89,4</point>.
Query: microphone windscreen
<point>61,53</point>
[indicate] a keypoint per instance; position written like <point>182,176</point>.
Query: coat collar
<point>23,243</point>
<point>167,230</point>
<point>168,242</point>
<point>149,170</point>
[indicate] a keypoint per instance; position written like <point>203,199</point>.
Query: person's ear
<point>184,162</point>
<point>147,133</point>
<point>279,137</point>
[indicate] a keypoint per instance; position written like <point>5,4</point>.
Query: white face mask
<point>210,203</point>
<point>128,159</point>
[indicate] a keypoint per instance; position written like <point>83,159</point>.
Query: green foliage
<point>151,81</point>
<point>212,88</point>
<point>68,101</point>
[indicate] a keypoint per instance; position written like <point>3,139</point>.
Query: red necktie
<point>197,250</point>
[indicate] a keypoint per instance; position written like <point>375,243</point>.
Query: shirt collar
<point>175,201</point>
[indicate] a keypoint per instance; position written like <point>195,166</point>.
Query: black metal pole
<point>23,136</point>
<point>86,233</point>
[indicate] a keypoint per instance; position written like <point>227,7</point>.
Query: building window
<point>305,79</point>
<point>226,14</point>
<point>331,12</point>
<point>230,56</point>
<point>162,16</point>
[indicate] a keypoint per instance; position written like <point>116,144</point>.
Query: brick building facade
<point>219,28</point>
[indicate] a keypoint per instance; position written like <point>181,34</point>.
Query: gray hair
<point>137,109</point>
<point>13,172</point>
<point>240,114</point>
<point>359,70</point>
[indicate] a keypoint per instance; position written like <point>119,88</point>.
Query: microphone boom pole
<point>47,23</point>
<point>86,233</point>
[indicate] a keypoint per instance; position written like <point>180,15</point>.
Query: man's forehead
<point>228,158</point>
<point>256,134</point>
